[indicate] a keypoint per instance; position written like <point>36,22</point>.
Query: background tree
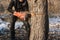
<point>39,22</point>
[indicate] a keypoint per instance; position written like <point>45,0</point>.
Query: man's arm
<point>10,6</point>
<point>25,6</point>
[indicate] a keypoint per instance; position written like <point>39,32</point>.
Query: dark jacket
<point>19,6</point>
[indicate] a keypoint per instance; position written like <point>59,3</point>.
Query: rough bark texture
<point>39,22</point>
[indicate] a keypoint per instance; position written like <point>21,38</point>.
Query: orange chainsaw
<point>22,15</point>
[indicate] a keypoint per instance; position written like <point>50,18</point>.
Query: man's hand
<point>16,12</point>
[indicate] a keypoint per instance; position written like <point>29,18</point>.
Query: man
<point>20,6</point>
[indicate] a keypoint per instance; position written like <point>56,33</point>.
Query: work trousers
<point>12,28</point>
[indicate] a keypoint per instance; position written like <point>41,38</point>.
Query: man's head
<point>21,0</point>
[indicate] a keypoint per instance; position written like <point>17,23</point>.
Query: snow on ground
<point>5,26</point>
<point>53,24</point>
<point>18,24</point>
<point>54,20</point>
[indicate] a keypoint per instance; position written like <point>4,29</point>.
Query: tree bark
<point>39,22</point>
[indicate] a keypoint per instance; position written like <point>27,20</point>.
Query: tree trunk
<point>39,22</point>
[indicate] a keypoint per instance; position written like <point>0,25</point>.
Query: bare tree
<point>39,22</point>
